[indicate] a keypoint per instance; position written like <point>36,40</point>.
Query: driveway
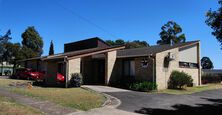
<point>207,102</point>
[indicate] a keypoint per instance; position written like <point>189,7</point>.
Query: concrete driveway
<point>208,102</point>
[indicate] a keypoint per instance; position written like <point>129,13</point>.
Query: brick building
<point>102,64</point>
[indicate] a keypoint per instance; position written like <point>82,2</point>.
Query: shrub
<point>76,80</point>
<point>210,78</point>
<point>143,86</point>
<point>179,79</point>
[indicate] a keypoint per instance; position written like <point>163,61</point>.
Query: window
<point>188,65</point>
<point>129,68</point>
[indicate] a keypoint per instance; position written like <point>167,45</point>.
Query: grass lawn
<point>77,98</point>
<point>190,90</point>
<point>10,107</point>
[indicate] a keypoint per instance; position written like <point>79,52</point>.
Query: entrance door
<point>101,71</point>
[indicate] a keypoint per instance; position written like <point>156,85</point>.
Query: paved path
<point>208,102</point>
<point>105,111</point>
<point>109,108</point>
<point>44,106</point>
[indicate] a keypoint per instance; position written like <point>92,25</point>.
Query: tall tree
<point>33,41</point>
<point>128,44</point>
<point>3,41</point>
<point>27,52</point>
<point>171,33</point>
<point>51,48</point>
<point>6,36</point>
<point>116,42</point>
<point>214,20</point>
<point>14,53</point>
<point>136,44</point>
<point>206,63</point>
<point>119,42</point>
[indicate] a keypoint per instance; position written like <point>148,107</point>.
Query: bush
<point>210,78</point>
<point>143,86</point>
<point>179,79</point>
<point>76,80</point>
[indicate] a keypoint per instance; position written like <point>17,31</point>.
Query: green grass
<point>77,98</point>
<point>190,90</point>
<point>10,107</point>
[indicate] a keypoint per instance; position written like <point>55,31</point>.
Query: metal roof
<point>145,51</point>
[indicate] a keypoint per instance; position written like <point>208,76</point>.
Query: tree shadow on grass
<point>200,109</point>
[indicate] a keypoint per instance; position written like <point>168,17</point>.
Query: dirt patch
<point>21,85</point>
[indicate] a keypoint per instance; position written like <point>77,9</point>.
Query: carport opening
<point>93,69</point>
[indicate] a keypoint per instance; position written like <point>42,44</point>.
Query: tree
<point>14,53</point>
<point>51,49</point>
<point>214,20</point>
<point>119,42</point>
<point>33,41</point>
<point>6,36</point>
<point>116,42</point>
<point>136,44</point>
<point>171,34</point>
<point>206,63</point>
<point>3,41</point>
<point>128,44</point>
<point>27,52</point>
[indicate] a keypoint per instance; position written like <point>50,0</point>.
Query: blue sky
<point>65,21</point>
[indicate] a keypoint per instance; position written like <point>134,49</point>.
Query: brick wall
<point>143,73</point>
<point>74,66</point>
<point>163,73</point>
<point>109,65</point>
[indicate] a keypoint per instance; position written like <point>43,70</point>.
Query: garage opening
<point>93,69</point>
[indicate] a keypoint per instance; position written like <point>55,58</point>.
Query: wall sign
<point>144,63</point>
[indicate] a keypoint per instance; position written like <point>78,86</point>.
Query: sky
<point>66,21</point>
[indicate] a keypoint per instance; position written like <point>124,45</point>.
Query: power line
<point>86,20</point>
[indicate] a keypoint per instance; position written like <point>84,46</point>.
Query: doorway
<point>93,71</point>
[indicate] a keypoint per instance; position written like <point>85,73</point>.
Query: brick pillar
<point>109,65</point>
<point>74,66</point>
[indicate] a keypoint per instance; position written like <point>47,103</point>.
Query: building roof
<point>75,54</point>
<point>145,51</point>
<point>121,52</point>
<point>85,44</point>
<point>81,53</point>
<point>34,58</point>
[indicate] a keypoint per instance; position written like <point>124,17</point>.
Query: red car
<point>28,73</point>
<point>59,78</point>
